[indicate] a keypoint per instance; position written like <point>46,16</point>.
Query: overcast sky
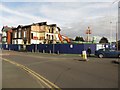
<point>73,16</point>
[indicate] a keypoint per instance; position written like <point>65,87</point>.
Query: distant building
<point>6,35</point>
<point>36,33</point>
<point>51,34</point>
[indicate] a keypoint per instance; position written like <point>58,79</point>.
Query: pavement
<point>65,71</point>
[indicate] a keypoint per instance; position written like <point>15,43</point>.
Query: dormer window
<point>19,32</point>
<point>19,29</point>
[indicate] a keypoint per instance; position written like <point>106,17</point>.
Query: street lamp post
<point>117,35</point>
<point>53,44</point>
<point>111,33</point>
<point>53,41</point>
<point>36,42</point>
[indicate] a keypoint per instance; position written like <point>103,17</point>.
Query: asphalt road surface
<point>65,71</point>
<point>14,77</point>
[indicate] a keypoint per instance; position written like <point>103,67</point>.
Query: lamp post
<point>111,33</point>
<point>36,42</point>
<point>117,35</point>
<point>53,44</point>
<point>36,39</point>
<point>116,26</point>
<point>53,41</point>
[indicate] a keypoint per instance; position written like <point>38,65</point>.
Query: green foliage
<point>79,39</point>
<point>103,40</point>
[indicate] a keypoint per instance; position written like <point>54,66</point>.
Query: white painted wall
<point>35,34</point>
<point>20,41</point>
<point>35,41</point>
<point>99,46</point>
<point>4,34</point>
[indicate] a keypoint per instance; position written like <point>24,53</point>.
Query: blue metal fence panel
<point>92,47</point>
<point>30,48</point>
<point>14,47</point>
<point>57,48</point>
<point>41,47</point>
<point>5,47</point>
<point>10,47</point>
<point>69,48</point>
<point>48,48</point>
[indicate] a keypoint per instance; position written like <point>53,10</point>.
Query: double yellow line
<point>36,75</point>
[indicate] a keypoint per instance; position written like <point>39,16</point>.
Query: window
<point>15,35</point>
<point>49,37</point>
<point>4,34</point>
<point>52,37</point>
<point>31,35</point>
<point>52,30</point>
<point>49,30</point>
<point>19,34</point>
<point>24,34</point>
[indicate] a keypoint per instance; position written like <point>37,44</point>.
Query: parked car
<point>107,53</point>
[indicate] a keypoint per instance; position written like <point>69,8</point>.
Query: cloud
<point>14,17</point>
<point>58,0</point>
<point>73,18</point>
<point>22,14</point>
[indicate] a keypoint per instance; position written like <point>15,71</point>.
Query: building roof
<point>6,28</point>
<point>52,25</point>
<point>59,28</point>
<point>40,23</point>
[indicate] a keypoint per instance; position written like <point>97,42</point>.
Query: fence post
<point>50,51</point>
<point>9,49</point>
<point>58,52</point>
<point>32,50</point>
<point>43,51</point>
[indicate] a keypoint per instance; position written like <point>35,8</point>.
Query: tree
<point>79,39</point>
<point>103,40</point>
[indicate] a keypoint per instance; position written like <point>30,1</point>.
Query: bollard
<point>84,55</point>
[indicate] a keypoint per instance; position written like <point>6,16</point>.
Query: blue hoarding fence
<point>53,48</point>
<point>62,48</point>
<point>14,47</point>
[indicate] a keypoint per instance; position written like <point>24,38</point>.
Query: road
<point>64,71</point>
<point>14,77</point>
